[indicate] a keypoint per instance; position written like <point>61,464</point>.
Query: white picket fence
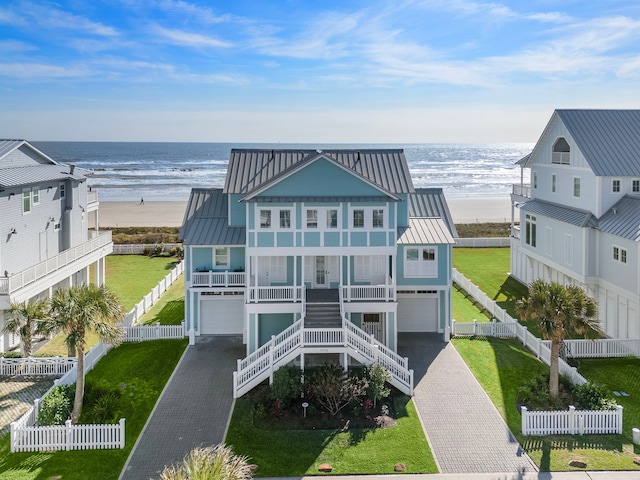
<point>572,422</point>
<point>132,333</point>
<point>140,333</point>
<point>42,366</point>
<point>66,437</point>
<point>602,348</point>
<point>150,299</point>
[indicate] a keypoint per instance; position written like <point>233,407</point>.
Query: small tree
<point>334,389</point>
<point>78,311</point>
<point>210,463</point>
<point>560,310</point>
<point>377,377</point>
<point>26,318</point>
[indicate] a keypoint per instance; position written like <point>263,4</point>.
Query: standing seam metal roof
<point>623,219</point>
<point>250,169</point>
<point>206,220</point>
<point>431,202</point>
<point>425,231</point>
<point>581,218</point>
<point>608,139</point>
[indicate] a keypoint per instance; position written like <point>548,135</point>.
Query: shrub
<point>377,377</point>
<point>334,389</point>
<point>287,385</point>
<point>158,249</point>
<point>147,251</point>
<point>12,354</point>
<point>107,408</point>
<point>56,407</point>
<point>217,462</point>
<point>593,396</point>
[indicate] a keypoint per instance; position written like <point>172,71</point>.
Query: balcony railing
<point>30,275</point>
<point>368,292</point>
<point>523,190</point>
<point>217,279</point>
<point>275,294</point>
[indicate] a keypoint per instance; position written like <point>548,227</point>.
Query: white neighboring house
<point>580,215</point>
<point>45,241</point>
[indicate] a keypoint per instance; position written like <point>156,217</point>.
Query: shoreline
<point>114,214</point>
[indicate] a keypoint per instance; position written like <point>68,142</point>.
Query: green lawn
<point>131,277</point>
<point>286,453</point>
<point>464,310</point>
<point>500,366</point>
<point>170,310</point>
<point>140,370</point>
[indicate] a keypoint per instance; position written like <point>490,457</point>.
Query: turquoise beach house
<point>317,256</point>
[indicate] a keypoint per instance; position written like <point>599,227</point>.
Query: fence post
<point>184,326</point>
<point>122,433</point>
<point>539,346</point>
<point>524,335</point>
<point>453,327</point>
<point>493,327</point>
<point>475,326</point>
<point>572,420</point>
<point>157,330</point>
<point>14,437</point>
<point>523,412</point>
<point>235,384</point>
<point>68,432</point>
<point>619,419</point>
<point>36,410</point>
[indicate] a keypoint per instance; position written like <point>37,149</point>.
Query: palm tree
<point>210,463</point>
<point>25,320</point>
<point>561,310</point>
<point>77,311</point>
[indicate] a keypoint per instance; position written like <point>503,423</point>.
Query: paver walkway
<point>193,410</point>
<point>466,432</point>
<point>17,395</point>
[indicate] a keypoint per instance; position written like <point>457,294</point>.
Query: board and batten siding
<point>21,157</point>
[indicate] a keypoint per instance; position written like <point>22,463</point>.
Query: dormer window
<point>561,152</point>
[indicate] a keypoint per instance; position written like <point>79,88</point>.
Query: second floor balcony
<point>521,190</point>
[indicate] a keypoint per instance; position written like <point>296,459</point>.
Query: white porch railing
<point>275,294</point>
<point>217,279</point>
<point>368,292</point>
<point>25,277</point>
<point>46,366</point>
<point>286,346</point>
<point>572,422</point>
<point>66,437</point>
<point>523,190</point>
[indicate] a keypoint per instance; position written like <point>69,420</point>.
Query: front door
<point>320,277</point>
<point>372,324</point>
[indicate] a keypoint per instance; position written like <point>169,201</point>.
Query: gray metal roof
<point>581,218</point>
<point>206,220</point>
<point>608,139</point>
<point>8,146</point>
<point>623,219</point>
<point>425,231</point>
<point>14,177</point>
<point>251,169</point>
<point>266,199</point>
<point>431,202</point>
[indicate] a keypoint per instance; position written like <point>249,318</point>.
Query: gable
<point>321,178</point>
<point>19,153</point>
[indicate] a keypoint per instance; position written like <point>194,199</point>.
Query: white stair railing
<point>285,347</point>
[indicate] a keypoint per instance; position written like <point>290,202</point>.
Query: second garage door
<point>222,315</point>
<point>417,313</point>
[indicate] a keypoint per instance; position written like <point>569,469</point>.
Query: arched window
<point>561,152</point>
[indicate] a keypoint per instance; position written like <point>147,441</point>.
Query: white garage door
<point>222,315</point>
<point>417,313</point>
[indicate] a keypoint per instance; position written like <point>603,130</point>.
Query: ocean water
<point>129,171</point>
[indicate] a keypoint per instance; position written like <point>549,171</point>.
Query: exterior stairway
<point>323,309</point>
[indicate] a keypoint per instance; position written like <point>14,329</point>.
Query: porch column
<point>386,279</point>
<point>340,273</point>
<point>257,279</point>
<point>302,262</point>
<point>345,361</point>
<point>395,275</point>
<point>295,279</point>
<point>348,278</point>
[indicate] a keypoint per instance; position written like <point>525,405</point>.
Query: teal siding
<point>359,239</point>
<point>299,238</point>
<point>238,211</point>
<point>443,268</point>
<point>391,328</point>
<point>298,216</point>
<point>265,239</point>
<point>252,218</point>
<point>308,181</point>
<point>345,238</point>
<point>252,334</point>
<point>285,239</point>
<point>377,239</point>
<point>392,215</point>
<point>403,210</point>
<point>311,239</point>
<point>272,324</point>
<point>332,239</point>
<point>237,258</point>
<point>345,216</point>
<point>356,319</point>
<point>392,239</point>
<point>202,258</point>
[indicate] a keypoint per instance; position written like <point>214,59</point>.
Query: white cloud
<point>189,39</point>
<point>38,72</point>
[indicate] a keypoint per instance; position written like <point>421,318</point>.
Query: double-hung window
<point>222,257</point>
<point>635,186</point>
<point>26,201</point>
<point>378,218</point>
<point>265,218</point>
<point>358,218</point>
<point>615,186</point>
<point>285,218</point>
<point>35,195</point>
<point>312,218</point>
<point>332,218</point>
<point>619,254</point>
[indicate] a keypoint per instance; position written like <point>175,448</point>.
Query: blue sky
<point>311,71</point>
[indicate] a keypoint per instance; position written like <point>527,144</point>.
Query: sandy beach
<point>171,214</point>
